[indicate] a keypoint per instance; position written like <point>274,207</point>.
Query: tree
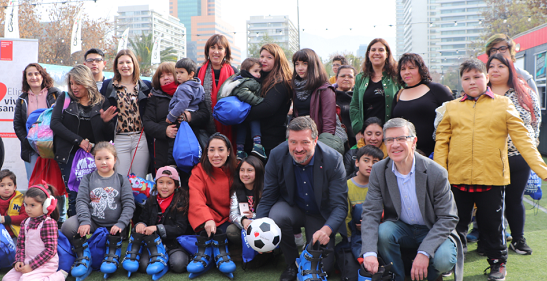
<point>253,50</point>
<point>143,52</point>
<point>352,59</point>
<point>510,17</point>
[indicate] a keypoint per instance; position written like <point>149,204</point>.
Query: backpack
<point>7,248</point>
<point>97,246</point>
<point>64,250</point>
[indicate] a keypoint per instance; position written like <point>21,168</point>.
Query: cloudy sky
<point>328,26</point>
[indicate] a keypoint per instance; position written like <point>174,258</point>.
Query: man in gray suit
<point>419,209</point>
<point>305,186</point>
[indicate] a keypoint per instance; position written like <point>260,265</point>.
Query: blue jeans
<point>29,166</point>
<point>392,235</point>
<point>356,242</point>
<point>242,130</point>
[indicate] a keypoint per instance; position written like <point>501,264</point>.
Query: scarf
<point>207,76</point>
<point>164,202</point>
<point>170,88</point>
<point>299,88</point>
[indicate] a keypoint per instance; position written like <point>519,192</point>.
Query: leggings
<point>514,208</point>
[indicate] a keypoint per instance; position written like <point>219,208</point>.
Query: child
<point>105,199</point>
<point>471,143</point>
<point>36,257</point>
<point>367,156</point>
<point>164,218</point>
<point>189,93</point>
<point>12,209</point>
<point>246,86</point>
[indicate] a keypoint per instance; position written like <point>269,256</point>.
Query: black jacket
<point>174,223</point>
<point>154,124</point>
<point>343,99</point>
<point>65,126</point>
<point>20,119</point>
<point>109,92</point>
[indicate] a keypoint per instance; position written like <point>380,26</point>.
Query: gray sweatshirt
<point>106,201</point>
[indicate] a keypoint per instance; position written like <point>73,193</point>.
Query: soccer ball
<point>263,235</point>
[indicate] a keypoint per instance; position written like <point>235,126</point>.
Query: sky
<point>326,26</point>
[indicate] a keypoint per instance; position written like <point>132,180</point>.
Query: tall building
<point>279,28</point>
<point>143,20</point>
<point>203,19</point>
<point>442,32</point>
<point>362,51</point>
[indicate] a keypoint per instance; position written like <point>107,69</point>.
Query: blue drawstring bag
<point>186,149</point>
<point>97,246</point>
<point>533,186</point>
<point>64,250</point>
<point>188,243</point>
<point>231,111</point>
<point>7,248</point>
<point>248,254</point>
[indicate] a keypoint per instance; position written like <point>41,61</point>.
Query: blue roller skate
<point>222,257</point>
<point>112,256</point>
<point>133,254</point>
<point>310,263</point>
<point>203,259</point>
<point>157,267</point>
<point>82,265</point>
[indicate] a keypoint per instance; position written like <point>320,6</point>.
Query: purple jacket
<point>322,108</point>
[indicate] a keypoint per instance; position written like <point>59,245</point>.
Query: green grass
<point>522,268</point>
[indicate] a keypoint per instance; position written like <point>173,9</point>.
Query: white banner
<point>156,56</point>
<point>15,55</point>
<point>11,20</point>
<point>122,44</point>
<point>76,38</point>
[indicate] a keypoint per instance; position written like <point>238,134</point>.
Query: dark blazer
<point>20,119</point>
<point>329,180</point>
<point>65,124</point>
<point>174,223</point>
<point>434,195</point>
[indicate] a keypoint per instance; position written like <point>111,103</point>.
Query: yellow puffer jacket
<point>471,141</point>
<point>14,209</point>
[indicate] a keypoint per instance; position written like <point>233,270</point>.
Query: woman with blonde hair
<point>87,120</point>
<point>129,94</point>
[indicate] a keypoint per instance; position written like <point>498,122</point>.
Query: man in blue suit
<point>305,186</point>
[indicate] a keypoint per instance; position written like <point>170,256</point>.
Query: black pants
<point>514,212</point>
<point>288,218</point>
<point>178,259</point>
<point>489,218</point>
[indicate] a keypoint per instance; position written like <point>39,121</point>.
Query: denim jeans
<point>356,242</point>
<point>29,166</point>
<point>392,235</point>
<point>242,130</point>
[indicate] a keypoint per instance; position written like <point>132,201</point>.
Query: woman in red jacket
<point>210,186</point>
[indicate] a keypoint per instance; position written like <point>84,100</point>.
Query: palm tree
<point>143,52</point>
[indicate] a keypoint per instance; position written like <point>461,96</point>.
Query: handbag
<point>533,186</point>
<point>83,164</point>
<point>48,170</point>
<point>231,111</point>
<point>186,149</point>
<point>7,248</point>
<point>64,250</point>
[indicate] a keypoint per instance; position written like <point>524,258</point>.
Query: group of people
<point>348,161</point>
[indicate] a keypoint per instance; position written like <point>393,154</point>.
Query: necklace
<point>410,87</point>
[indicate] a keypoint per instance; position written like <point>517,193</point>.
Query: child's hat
<point>174,174</point>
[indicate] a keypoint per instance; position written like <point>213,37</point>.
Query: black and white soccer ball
<point>263,235</point>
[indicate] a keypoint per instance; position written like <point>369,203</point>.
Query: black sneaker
<point>290,273</point>
<point>520,247</point>
<point>497,270</point>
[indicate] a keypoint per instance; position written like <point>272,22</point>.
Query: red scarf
<point>169,88</point>
<point>225,72</point>
<point>164,202</point>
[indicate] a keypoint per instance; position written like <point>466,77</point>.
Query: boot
<point>112,255</point>
<point>157,266</point>
<point>82,265</point>
<point>203,259</point>
<point>383,274</point>
<point>133,254</point>
<point>310,263</point>
<point>222,257</point>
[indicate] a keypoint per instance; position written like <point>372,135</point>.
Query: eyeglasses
<point>399,139</point>
<point>97,60</point>
<point>501,49</point>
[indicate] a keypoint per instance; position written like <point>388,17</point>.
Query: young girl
<point>36,257</point>
<point>105,199</point>
<point>164,218</point>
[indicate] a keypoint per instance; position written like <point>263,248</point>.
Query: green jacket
<point>356,112</point>
<point>246,89</point>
